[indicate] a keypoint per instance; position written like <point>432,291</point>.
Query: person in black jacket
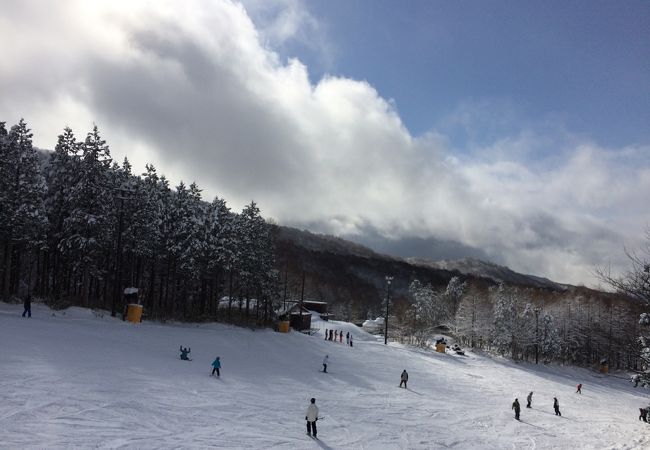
<point>556,407</point>
<point>517,408</point>
<point>529,399</point>
<point>404,379</point>
<point>28,306</point>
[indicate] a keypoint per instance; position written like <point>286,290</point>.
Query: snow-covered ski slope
<point>76,380</point>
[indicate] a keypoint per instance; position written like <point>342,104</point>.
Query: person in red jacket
<point>579,388</point>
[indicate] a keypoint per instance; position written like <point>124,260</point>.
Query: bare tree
<point>635,282</point>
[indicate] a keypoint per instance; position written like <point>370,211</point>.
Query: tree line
<point>523,324</point>
<point>77,228</point>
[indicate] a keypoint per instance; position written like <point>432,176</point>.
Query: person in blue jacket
<point>184,353</point>
<point>216,365</point>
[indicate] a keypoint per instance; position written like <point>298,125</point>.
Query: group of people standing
<point>517,407</point>
<point>336,335</point>
<point>529,401</point>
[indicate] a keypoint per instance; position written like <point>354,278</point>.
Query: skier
<point>336,335</point>
<point>311,416</point>
<point>184,353</point>
<point>579,388</point>
<point>351,341</point>
<point>347,338</point>
<point>529,399</point>
<point>556,407</point>
<point>216,365</point>
<point>643,414</point>
<point>325,361</point>
<point>517,408</point>
<point>341,337</point>
<point>403,379</point>
<point>331,334</point>
<point>326,332</point>
<point>28,306</point>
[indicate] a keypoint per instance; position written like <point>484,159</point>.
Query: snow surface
<point>76,379</point>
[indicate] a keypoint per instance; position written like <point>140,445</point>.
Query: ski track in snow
<point>78,380</point>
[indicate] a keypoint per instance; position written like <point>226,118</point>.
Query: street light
<point>537,311</point>
<point>389,280</point>
<point>122,194</point>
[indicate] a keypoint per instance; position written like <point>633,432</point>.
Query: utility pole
<point>302,298</point>
<point>388,282</point>
<point>537,310</point>
<point>118,256</point>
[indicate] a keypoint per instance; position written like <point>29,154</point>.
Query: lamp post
<point>121,196</point>
<point>389,280</point>
<point>537,311</point>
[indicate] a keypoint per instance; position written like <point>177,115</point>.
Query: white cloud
<point>193,88</point>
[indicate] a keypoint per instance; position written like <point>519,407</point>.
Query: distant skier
<point>331,334</point>
<point>517,408</point>
<point>341,337</point>
<point>336,335</point>
<point>403,379</point>
<point>28,306</point>
<point>326,333</point>
<point>347,338</point>
<point>643,414</point>
<point>216,365</point>
<point>311,416</point>
<point>579,388</point>
<point>184,353</point>
<point>325,361</point>
<point>351,341</point>
<point>556,407</point>
<point>529,399</point>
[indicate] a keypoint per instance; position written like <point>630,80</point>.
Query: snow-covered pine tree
<point>23,220</point>
<point>87,229</point>
<point>61,175</point>
<point>219,249</point>
<point>505,322</point>
<point>145,228</point>
<point>255,247</point>
<point>550,342</point>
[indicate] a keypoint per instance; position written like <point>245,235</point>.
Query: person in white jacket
<point>325,361</point>
<point>311,416</point>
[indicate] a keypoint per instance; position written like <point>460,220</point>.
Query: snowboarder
<point>556,407</point>
<point>311,416</point>
<point>579,388</point>
<point>351,341</point>
<point>325,361</point>
<point>184,353</point>
<point>326,333</point>
<point>404,378</point>
<point>517,408</point>
<point>216,365</point>
<point>529,399</point>
<point>28,306</point>
<point>643,414</point>
<point>347,338</point>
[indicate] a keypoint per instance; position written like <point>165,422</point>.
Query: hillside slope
<point>74,379</point>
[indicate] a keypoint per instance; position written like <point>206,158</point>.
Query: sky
<point>511,131</point>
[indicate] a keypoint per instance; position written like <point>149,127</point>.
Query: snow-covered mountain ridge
<point>486,269</point>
